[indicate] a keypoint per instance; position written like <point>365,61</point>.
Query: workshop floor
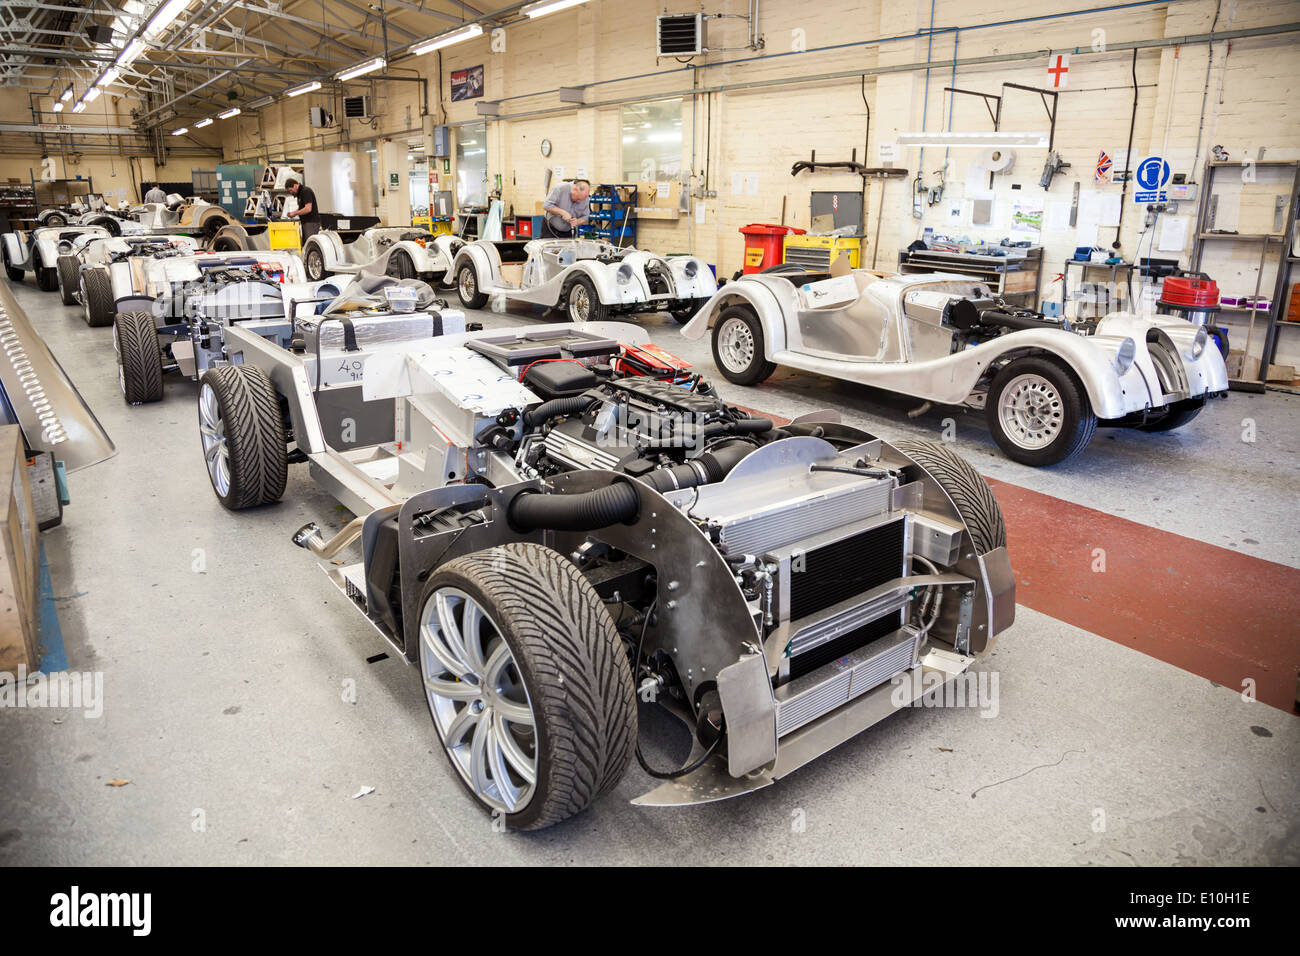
<point>1120,736</point>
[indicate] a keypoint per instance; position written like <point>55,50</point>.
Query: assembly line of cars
<point>561,512</point>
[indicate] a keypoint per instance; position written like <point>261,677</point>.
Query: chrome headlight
<point>1124,357</point>
<point>624,274</point>
<point>1197,348</point>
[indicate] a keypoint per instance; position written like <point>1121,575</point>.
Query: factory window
<point>652,141</point>
<point>471,166</point>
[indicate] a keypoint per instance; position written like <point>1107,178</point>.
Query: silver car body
<point>373,250</point>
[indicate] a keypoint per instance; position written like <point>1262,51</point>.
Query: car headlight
<point>65,247</point>
<point>1124,357</point>
<point>692,267</point>
<point>624,274</point>
<point>1198,344</point>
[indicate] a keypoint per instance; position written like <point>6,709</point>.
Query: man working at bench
<point>306,211</point>
<point>567,207</point>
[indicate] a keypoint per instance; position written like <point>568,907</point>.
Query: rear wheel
<point>97,297</point>
<point>139,359</point>
<point>68,279</point>
<point>400,265</point>
<point>243,436</point>
<point>527,682</point>
<point>1038,412</point>
<point>738,348</point>
<point>583,304</point>
<point>1179,414</point>
<point>970,493</point>
<point>467,287</point>
<point>14,274</point>
<point>314,262</point>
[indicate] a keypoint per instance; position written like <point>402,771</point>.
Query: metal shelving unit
<point>614,219</point>
<point>1014,277</point>
<point>1266,240</point>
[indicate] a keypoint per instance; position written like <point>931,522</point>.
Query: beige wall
<point>762,131</point>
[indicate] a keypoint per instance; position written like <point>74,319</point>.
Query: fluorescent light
<point>305,88</point>
<point>974,140</point>
<point>110,76</point>
<point>543,7</point>
<point>259,103</point>
<point>91,94</point>
<point>229,113</point>
<point>203,122</point>
<point>58,106</point>
<point>130,52</point>
<point>67,95</point>
<point>447,39</point>
<point>78,106</point>
<point>378,63</point>
<point>168,12</point>
<point>180,132</point>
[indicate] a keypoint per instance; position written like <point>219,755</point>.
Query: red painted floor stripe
<point>1213,611</point>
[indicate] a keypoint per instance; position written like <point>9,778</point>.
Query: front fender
<point>13,249</point>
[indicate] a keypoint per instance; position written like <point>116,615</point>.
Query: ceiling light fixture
<point>130,52</point>
<point>305,88</point>
<point>180,132</point>
<point>110,76</point>
<point>203,122</point>
<point>259,103</point>
<point>67,95</point>
<point>447,39</point>
<point>58,106</point>
<point>543,7</point>
<point>78,106</point>
<point>229,113</point>
<point>91,94</point>
<point>168,12</point>
<point>378,63</point>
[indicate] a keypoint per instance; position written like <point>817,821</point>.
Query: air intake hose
<point>557,407</point>
<point>581,512</point>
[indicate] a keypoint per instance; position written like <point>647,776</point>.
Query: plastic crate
<point>284,235</point>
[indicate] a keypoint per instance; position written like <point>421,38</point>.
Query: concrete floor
<point>225,655</point>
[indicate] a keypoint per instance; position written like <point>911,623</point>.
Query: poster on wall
<point>1027,219</point>
<point>467,84</point>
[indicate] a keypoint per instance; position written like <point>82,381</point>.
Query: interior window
<point>652,141</point>
<point>471,165</point>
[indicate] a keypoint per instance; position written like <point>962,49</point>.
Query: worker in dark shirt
<point>307,212</point>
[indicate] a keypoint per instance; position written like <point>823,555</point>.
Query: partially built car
<point>549,527</point>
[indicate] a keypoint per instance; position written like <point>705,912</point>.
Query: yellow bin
<point>284,235</point>
<point>818,252</point>
<point>424,221</point>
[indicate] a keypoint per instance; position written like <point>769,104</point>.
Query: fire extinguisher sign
<point>1152,175</point>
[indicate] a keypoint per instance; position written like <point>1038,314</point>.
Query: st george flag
<point>1058,68</point>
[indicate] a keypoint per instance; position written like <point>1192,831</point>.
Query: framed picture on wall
<point>467,84</point>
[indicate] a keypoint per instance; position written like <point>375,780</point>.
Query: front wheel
<point>467,287</point>
<point>738,347</point>
<point>583,303</point>
<point>1179,414</point>
<point>14,274</point>
<point>97,297</point>
<point>314,262</point>
<point>1038,412</point>
<point>243,436</point>
<point>967,489</point>
<point>527,682</point>
<point>47,277</point>
<point>68,279</point>
<point>139,359</point>
<point>400,265</point>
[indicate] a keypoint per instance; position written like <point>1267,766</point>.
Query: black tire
<point>313,261</point>
<point>582,304</point>
<point>257,456</point>
<point>969,492</point>
<point>400,265</point>
<point>1065,404</point>
<point>1179,414</point>
<point>467,287</point>
<point>55,219</point>
<point>97,297</point>
<point>47,277</point>
<point>733,369</point>
<point>14,274</point>
<point>139,359</point>
<point>572,664</point>
<point>68,279</point>
<point>684,315</point>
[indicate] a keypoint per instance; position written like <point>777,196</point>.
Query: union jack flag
<point>1104,163</point>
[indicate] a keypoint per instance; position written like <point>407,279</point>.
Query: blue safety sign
<point>1152,174</point>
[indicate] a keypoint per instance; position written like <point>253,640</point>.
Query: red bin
<point>763,245</point>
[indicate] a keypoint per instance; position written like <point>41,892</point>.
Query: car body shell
<point>130,279</point>
<point>40,248</point>
<point>373,250</point>
<point>622,278</point>
<point>880,339</point>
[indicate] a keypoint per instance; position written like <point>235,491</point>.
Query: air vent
<point>321,117</point>
<point>356,107</point>
<point>681,34</point>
